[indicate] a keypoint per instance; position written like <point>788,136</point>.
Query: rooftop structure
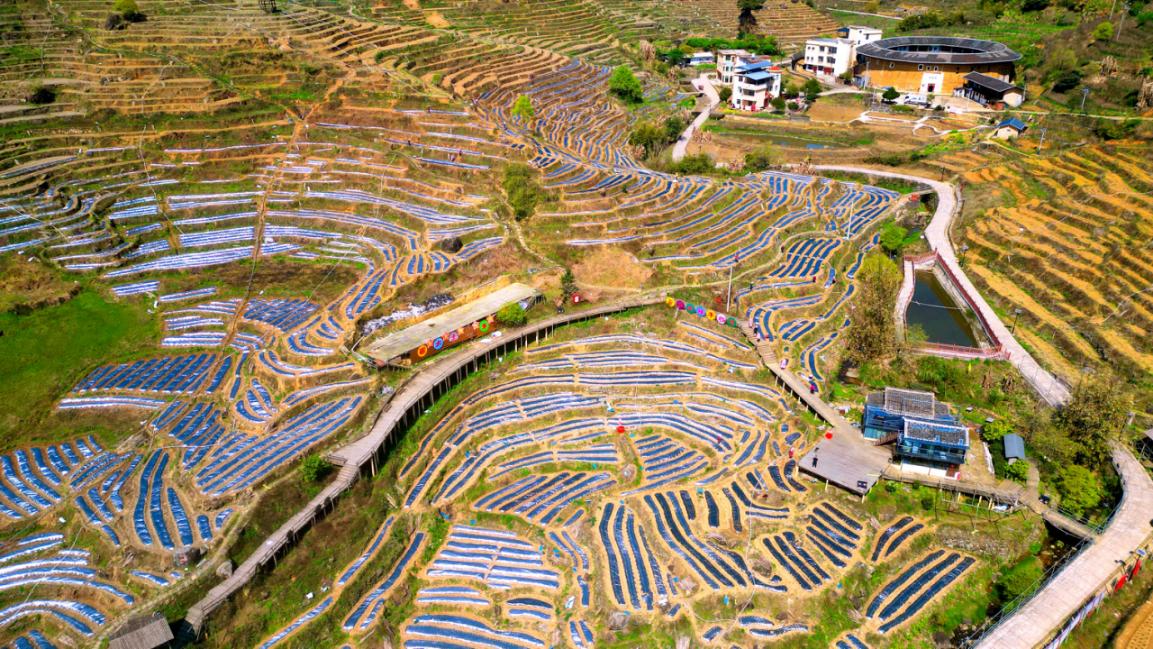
<point>933,442</point>
<point>931,64</point>
<point>1014,447</point>
<point>143,633</point>
<point>991,91</point>
<point>442,326</point>
<point>886,411</point>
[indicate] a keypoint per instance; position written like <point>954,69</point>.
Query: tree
<point>700,163</point>
<point>674,126</point>
<point>568,282</point>
<point>872,334</point>
<point>1095,414</point>
<point>1080,489</point>
<point>1017,471</point>
<point>623,83</point>
<point>128,10</point>
<point>890,94</point>
<point>995,430</point>
<point>812,88</point>
<point>649,136</point>
<point>313,468</point>
<point>761,159</point>
<point>893,238</point>
<point>747,20</point>
<point>725,93</point>
<point>1022,578</point>
<point>522,109</point>
<point>521,190</point>
<point>512,315</point>
<point>1066,80</point>
<point>675,56</point>
<point>779,104</point>
<point>1103,31</point>
<point>42,95</point>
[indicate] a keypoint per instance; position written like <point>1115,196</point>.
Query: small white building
<point>829,57</point>
<point>701,58</point>
<point>858,34</point>
<point>755,84</point>
<point>727,62</point>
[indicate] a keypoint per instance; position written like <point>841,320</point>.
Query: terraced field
<point>265,184</point>
<point>1070,249</point>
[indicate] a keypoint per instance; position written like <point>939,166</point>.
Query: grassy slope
<point>43,354</point>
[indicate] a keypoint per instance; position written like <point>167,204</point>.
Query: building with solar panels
<point>924,431</point>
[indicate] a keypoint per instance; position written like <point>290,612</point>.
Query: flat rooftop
<point>405,340</point>
<point>943,50</point>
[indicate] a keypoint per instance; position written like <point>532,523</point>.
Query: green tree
<point>522,109</point>
<point>872,334</point>
<point>568,282</point>
<point>701,163</point>
<point>1022,578</point>
<point>893,238</point>
<point>623,83</point>
<point>1080,489</point>
<point>512,315</point>
<point>1017,471</point>
<point>521,190</point>
<point>1103,31</point>
<point>1095,414</point>
<point>649,136</point>
<point>812,88</point>
<point>725,93</point>
<point>675,56</point>
<point>314,468</point>
<point>674,126</point>
<point>779,104</point>
<point>747,20</point>
<point>128,10</point>
<point>760,159</point>
<point>890,94</point>
<point>995,430</point>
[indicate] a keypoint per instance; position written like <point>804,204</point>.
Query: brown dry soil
<point>611,267</point>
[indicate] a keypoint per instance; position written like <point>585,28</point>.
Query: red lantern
<point>620,430</point>
<point>828,436</point>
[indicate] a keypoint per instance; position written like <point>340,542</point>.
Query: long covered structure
<point>932,64</point>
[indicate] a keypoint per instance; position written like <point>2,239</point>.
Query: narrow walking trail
<point>702,84</point>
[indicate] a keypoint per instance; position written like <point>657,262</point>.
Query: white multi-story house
<point>829,57</point>
<point>755,84</point>
<point>832,57</point>
<point>727,62</point>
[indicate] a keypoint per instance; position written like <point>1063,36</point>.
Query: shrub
<point>42,95</point>
<point>995,430</point>
<point>725,93</point>
<point>1103,31</point>
<point>128,10</point>
<point>652,137</point>
<point>779,104</point>
<point>1066,81</point>
<point>890,94</point>
<point>701,163</point>
<point>522,109</point>
<point>1022,578</point>
<point>893,237</point>
<point>1017,471</point>
<point>314,468</point>
<point>812,88</point>
<point>512,315</point>
<point>1080,489</point>
<point>760,160</point>
<point>792,105</point>
<point>521,190</point>
<point>625,86</point>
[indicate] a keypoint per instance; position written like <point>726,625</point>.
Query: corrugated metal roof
<point>1014,446</point>
<point>939,50</point>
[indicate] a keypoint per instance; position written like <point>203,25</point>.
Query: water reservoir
<point>943,320</point>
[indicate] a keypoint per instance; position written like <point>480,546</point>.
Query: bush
<point>128,10</point>
<point>1022,578</point>
<point>779,104</point>
<point>701,163</point>
<point>725,93</point>
<point>512,315</point>
<point>1103,31</point>
<point>649,136</point>
<point>625,86</point>
<point>760,160</point>
<point>314,468</point>
<point>1017,471</point>
<point>995,430</point>
<point>893,237</point>
<point>890,94</point>
<point>1066,81</point>
<point>1080,489</point>
<point>521,190</point>
<point>42,95</point>
<point>792,105</point>
<point>930,20</point>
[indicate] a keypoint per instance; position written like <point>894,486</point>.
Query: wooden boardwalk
<point>848,460</point>
<point>366,453</point>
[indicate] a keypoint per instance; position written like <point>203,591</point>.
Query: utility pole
<point>1121,22</point>
<point>1084,96</point>
<point>1042,142</point>
<point>729,298</point>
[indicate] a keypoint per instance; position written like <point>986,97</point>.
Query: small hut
<point>149,632</point>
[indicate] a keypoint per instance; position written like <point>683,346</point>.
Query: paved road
<point>1046,612</point>
<point>1046,385</point>
<point>702,84</point>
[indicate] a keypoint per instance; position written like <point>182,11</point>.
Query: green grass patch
<point>43,354</point>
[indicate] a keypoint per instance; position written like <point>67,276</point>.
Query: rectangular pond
<point>943,319</point>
